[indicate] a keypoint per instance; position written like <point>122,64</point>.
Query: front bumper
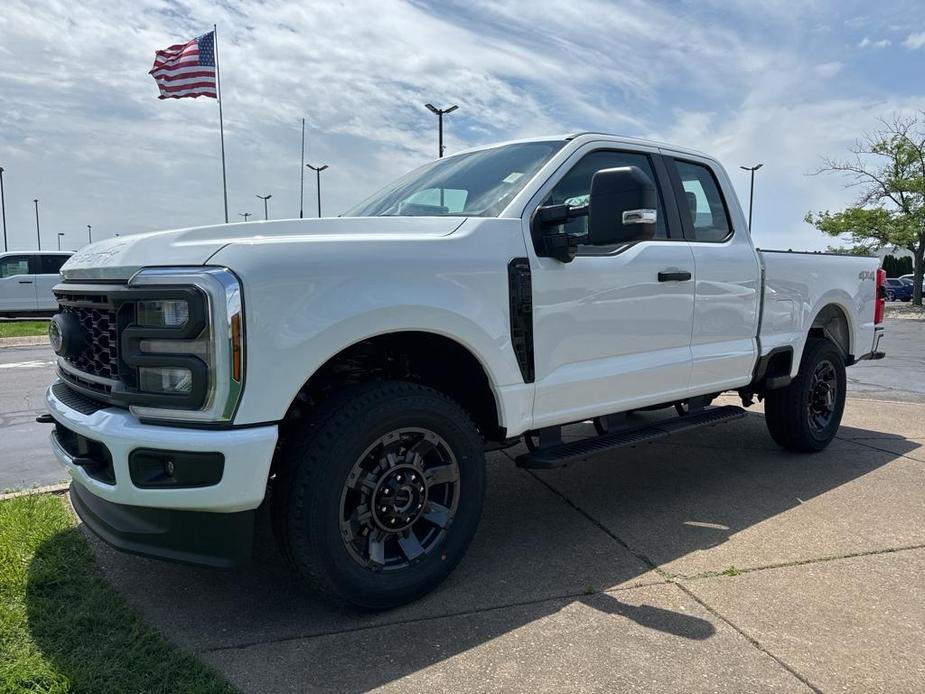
<point>248,452</point>
<point>211,525</point>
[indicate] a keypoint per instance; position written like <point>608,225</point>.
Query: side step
<point>560,454</point>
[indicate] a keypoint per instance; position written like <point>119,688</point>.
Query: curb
<point>28,341</point>
<point>47,489</point>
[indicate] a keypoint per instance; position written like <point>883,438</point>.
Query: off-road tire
<point>313,468</point>
<point>787,411</point>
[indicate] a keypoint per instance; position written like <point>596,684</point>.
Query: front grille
<point>106,367</point>
<point>101,355</point>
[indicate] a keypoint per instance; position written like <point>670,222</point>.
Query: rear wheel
<point>805,415</point>
<point>382,494</point>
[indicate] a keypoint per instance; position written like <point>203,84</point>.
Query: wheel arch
<point>419,356</point>
<point>832,322</point>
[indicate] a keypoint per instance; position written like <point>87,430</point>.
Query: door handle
<point>25,281</point>
<point>674,276</point>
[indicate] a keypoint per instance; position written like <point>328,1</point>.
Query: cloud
<point>915,41</point>
<point>868,43</point>
<point>82,130</point>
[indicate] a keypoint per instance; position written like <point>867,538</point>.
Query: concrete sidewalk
<point>716,562</point>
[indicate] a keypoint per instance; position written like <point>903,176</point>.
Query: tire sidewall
<point>817,352</point>
<point>418,410</point>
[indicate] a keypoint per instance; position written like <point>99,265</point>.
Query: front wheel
<point>805,415</point>
<point>381,494</point>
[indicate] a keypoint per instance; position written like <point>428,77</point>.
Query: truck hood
<point>119,258</point>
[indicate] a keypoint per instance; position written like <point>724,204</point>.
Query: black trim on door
<point>669,201</point>
<point>520,290</point>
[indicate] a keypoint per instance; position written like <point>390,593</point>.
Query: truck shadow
<point>586,536</point>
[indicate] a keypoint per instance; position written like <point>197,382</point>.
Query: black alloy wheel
<point>823,393</point>
<point>399,500</point>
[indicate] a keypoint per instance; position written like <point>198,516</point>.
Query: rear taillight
<point>881,296</point>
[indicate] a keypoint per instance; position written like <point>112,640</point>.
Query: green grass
<point>62,628</point>
<point>23,328</point>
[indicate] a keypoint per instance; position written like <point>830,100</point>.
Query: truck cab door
<point>17,284</point>
<point>611,328</point>
<point>728,276</point>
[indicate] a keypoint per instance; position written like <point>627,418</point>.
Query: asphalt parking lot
<point>711,562</point>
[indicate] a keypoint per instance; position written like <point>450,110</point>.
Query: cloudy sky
<point>769,81</point>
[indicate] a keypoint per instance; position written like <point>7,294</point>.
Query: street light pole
<point>245,215</point>
<point>3,210</point>
<point>439,112</point>
<point>265,198</point>
<point>38,234</point>
<point>318,170</point>
<point>751,191</point>
<point>90,233</point>
<point>60,234</point>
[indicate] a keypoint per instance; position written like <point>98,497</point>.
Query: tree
<point>887,167</point>
<point>896,267</point>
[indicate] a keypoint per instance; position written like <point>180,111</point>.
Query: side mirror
<point>623,206</point>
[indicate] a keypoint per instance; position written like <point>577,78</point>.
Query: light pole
<point>751,192</point>
<point>318,170</point>
<point>60,234</point>
<point>90,233</point>
<point>245,215</point>
<point>38,234</point>
<point>265,198</point>
<point>3,210</point>
<point>439,113</point>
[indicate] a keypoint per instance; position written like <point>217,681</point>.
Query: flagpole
<point>302,172</point>
<point>221,122</point>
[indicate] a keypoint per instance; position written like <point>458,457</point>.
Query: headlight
<point>187,344</point>
<point>162,314</point>
<point>159,380</point>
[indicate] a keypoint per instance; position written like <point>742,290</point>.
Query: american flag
<point>186,69</point>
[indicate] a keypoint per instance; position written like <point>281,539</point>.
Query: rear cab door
<point>727,287</point>
<point>17,283</point>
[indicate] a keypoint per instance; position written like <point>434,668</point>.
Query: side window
<point>703,201</point>
<point>14,265</point>
<point>51,264</point>
<point>575,187</point>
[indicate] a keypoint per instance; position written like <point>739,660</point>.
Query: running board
<point>560,454</point>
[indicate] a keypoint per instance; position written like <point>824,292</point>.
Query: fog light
<point>152,468</point>
<point>165,380</point>
<point>162,314</point>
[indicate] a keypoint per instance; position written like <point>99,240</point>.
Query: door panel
<point>727,291</point>
<point>608,336</point>
<point>17,284</point>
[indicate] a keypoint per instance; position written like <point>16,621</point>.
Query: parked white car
<point>358,367</point>
<point>27,280</point>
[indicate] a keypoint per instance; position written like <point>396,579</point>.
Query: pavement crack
<point>858,442</point>
<point>745,635</point>
<point>575,595</point>
<point>603,528</point>
<point>801,562</point>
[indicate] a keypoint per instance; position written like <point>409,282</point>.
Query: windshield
<point>477,184</point>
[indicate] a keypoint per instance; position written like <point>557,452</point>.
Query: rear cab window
<point>51,264</point>
<point>703,209</point>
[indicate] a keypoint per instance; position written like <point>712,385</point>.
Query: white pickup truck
<point>352,371</point>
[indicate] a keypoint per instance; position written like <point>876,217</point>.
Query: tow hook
<point>45,419</point>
